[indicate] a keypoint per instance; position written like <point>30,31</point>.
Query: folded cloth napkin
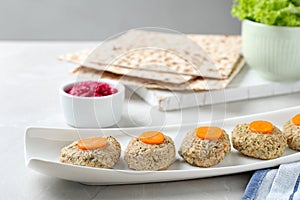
<point>275,184</point>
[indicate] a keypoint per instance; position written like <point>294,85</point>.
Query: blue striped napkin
<point>273,184</point>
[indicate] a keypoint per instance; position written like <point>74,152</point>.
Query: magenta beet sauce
<point>92,89</point>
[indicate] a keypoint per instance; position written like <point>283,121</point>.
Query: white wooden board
<point>246,85</point>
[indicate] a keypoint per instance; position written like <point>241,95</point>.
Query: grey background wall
<point>98,19</point>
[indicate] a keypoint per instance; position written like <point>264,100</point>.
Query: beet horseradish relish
<point>92,89</point>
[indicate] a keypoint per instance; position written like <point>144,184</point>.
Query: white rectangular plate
<point>42,151</point>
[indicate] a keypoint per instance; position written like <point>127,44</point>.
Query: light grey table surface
<point>29,80</point>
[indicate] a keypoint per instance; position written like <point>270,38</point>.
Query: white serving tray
<point>42,149</point>
<point>246,85</point>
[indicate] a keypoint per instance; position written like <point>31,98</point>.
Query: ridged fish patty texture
<point>204,153</point>
<point>142,156</point>
<point>292,133</point>
<point>104,157</point>
<point>257,145</point>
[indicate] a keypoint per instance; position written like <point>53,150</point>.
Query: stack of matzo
<point>164,60</point>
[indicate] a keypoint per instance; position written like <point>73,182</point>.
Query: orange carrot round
<point>261,127</point>
<point>92,143</point>
<point>296,120</point>
<point>152,137</point>
<point>209,132</point>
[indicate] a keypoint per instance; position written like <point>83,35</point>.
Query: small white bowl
<point>92,112</point>
<point>273,51</point>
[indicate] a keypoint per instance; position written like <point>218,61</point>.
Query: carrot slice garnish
<point>152,137</point>
<point>261,127</point>
<point>92,143</point>
<point>296,120</point>
<point>209,132</point>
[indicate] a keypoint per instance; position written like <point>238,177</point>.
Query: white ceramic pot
<point>273,51</point>
<point>92,112</point>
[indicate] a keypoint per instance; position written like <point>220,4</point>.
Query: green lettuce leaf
<point>271,12</point>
